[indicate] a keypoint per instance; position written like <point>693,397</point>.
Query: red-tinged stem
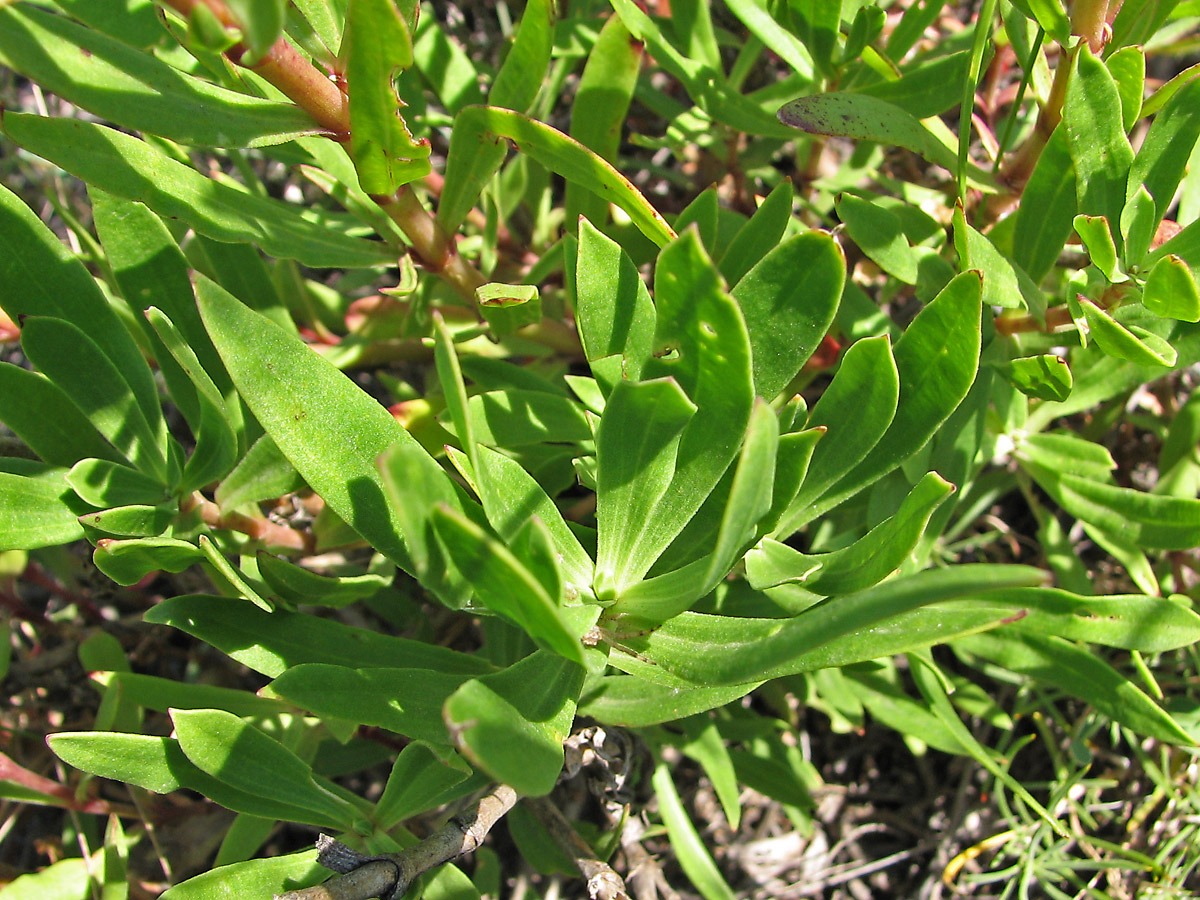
<point>302,82</point>
<point>59,794</point>
<point>271,534</point>
<point>432,246</point>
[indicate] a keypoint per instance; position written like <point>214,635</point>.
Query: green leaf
<point>128,562</point>
<point>1141,347</point>
<point>237,754</point>
<point>708,749</point>
<point>761,233</point>
<point>789,299</point>
<point>635,703</point>
<point>513,724</point>
<point>262,474</point>
<point>272,643</point>
<point>261,24</point>
<point>216,427</point>
<point>760,23</point>
<point>637,443</point>
<point>524,68</point>
<point>1139,222</point>
<point>930,87</point>
<point>132,521</point>
<point>1162,160</point>
<point>67,879</point>
<point>419,777</point>
<point>1065,666</point>
<point>695,860</point>
<point>861,117</point>
<point>159,765</point>
<point>1171,291</point>
<point>614,312</point>
<point>885,547</point>
<point>867,382</point>
<point>1150,520</point>
<point>253,878</point>
<point>40,277</point>
<point>1066,454</point>
<point>377,43</point>
<point>936,360</point>
<point>407,701</point>
<point>468,168</point>
<point>703,345</point>
<point>163,694</point>
<point>1048,207</point>
<point>1129,621</point>
<point>511,497</point>
<point>1096,138</point>
<point>325,425</point>
<point>503,584</point>
<point>1128,68</point>
<point>298,585</point>
<point>817,23</point>
<point>602,99</point>
<point>78,365</point>
<point>127,167</point>
<point>711,649</point>
<point>1097,238</point>
<point>42,415</point>
<point>511,418</point>
<point>34,512</point>
<point>137,91</point>
<point>976,251</point>
<point>1045,377</point>
<point>878,234</point>
<point>105,484</point>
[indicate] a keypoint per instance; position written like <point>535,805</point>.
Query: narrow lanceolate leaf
<point>241,756</point>
<point>406,701</point>
<point>136,90</point>
<point>878,234</point>
<point>1153,521</point>
<point>466,174</point>
<point>42,415</point>
<point>636,447</point>
<point>1162,160</point>
<point>614,312</point>
<point>1063,665</point>
<point>1171,290</point>
<point>77,364</point>
<point>253,878</point>
<point>272,643</point>
<point>861,117</point>
<point>377,44</point>
<point>759,235</point>
<point>524,68</point>
<point>788,300</point>
<point>123,165</point>
<point>513,724</point>
<point>34,512</point>
<point>1096,138</point>
<point>689,849</point>
<point>868,383</point>
<point>330,430</point>
<point>601,104</point>
<point>710,649</point>
<point>1047,210</point>
<point>40,277</point>
<point>937,359</point>
<point>503,584</point>
<point>705,348</point>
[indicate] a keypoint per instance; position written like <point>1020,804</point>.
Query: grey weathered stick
<point>388,875</point>
<point>602,882</point>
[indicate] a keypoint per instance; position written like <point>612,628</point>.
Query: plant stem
<point>602,882</point>
<point>390,874</point>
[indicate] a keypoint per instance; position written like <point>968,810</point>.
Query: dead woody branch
<point>388,875</point>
